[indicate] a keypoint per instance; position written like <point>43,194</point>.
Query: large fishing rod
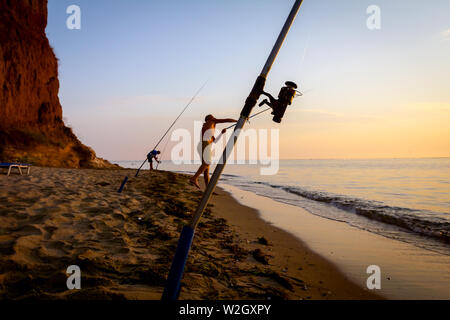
<point>285,97</point>
<point>165,134</point>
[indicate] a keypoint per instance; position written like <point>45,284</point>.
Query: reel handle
<point>265,101</point>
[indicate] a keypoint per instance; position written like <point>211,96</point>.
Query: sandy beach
<point>124,243</point>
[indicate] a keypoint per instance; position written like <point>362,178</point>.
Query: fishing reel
<point>285,98</point>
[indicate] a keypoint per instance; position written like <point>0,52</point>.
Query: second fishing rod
<point>125,180</point>
<point>173,123</point>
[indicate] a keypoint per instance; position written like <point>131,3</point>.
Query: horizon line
<point>381,158</point>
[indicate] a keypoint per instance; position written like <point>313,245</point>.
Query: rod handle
<point>173,283</point>
<point>124,182</point>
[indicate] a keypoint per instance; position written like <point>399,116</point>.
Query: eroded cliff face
<point>31,125</point>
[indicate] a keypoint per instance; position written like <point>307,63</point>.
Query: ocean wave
<point>417,221</point>
<point>230,175</point>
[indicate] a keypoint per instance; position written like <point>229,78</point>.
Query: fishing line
<point>256,114</point>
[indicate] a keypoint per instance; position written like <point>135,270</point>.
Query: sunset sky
<point>135,64</point>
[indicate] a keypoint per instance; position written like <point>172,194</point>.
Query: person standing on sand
<point>207,138</point>
<point>153,155</point>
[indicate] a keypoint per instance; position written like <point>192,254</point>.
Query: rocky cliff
<point>31,125</point>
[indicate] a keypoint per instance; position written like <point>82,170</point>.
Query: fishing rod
<point>122,186</point>
<point>279,106</point>
<point>173,123</point>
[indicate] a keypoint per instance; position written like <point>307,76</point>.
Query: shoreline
<point>290,255</point>
<point>124,243</point>
<point>407,271</point>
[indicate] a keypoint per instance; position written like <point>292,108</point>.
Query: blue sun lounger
<point>19,166</point>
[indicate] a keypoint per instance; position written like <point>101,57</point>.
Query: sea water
<point>403,199</point>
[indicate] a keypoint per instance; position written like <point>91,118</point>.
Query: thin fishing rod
<point>122,186</point>
<point>179,116</point>
<point>173,284</point>
<point>173,123</point>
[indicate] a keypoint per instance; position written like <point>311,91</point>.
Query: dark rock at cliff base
<point>31,125</point>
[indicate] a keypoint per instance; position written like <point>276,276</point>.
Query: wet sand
<point>287,254</point>
<point>407,271</point>
<point>124,243</point>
